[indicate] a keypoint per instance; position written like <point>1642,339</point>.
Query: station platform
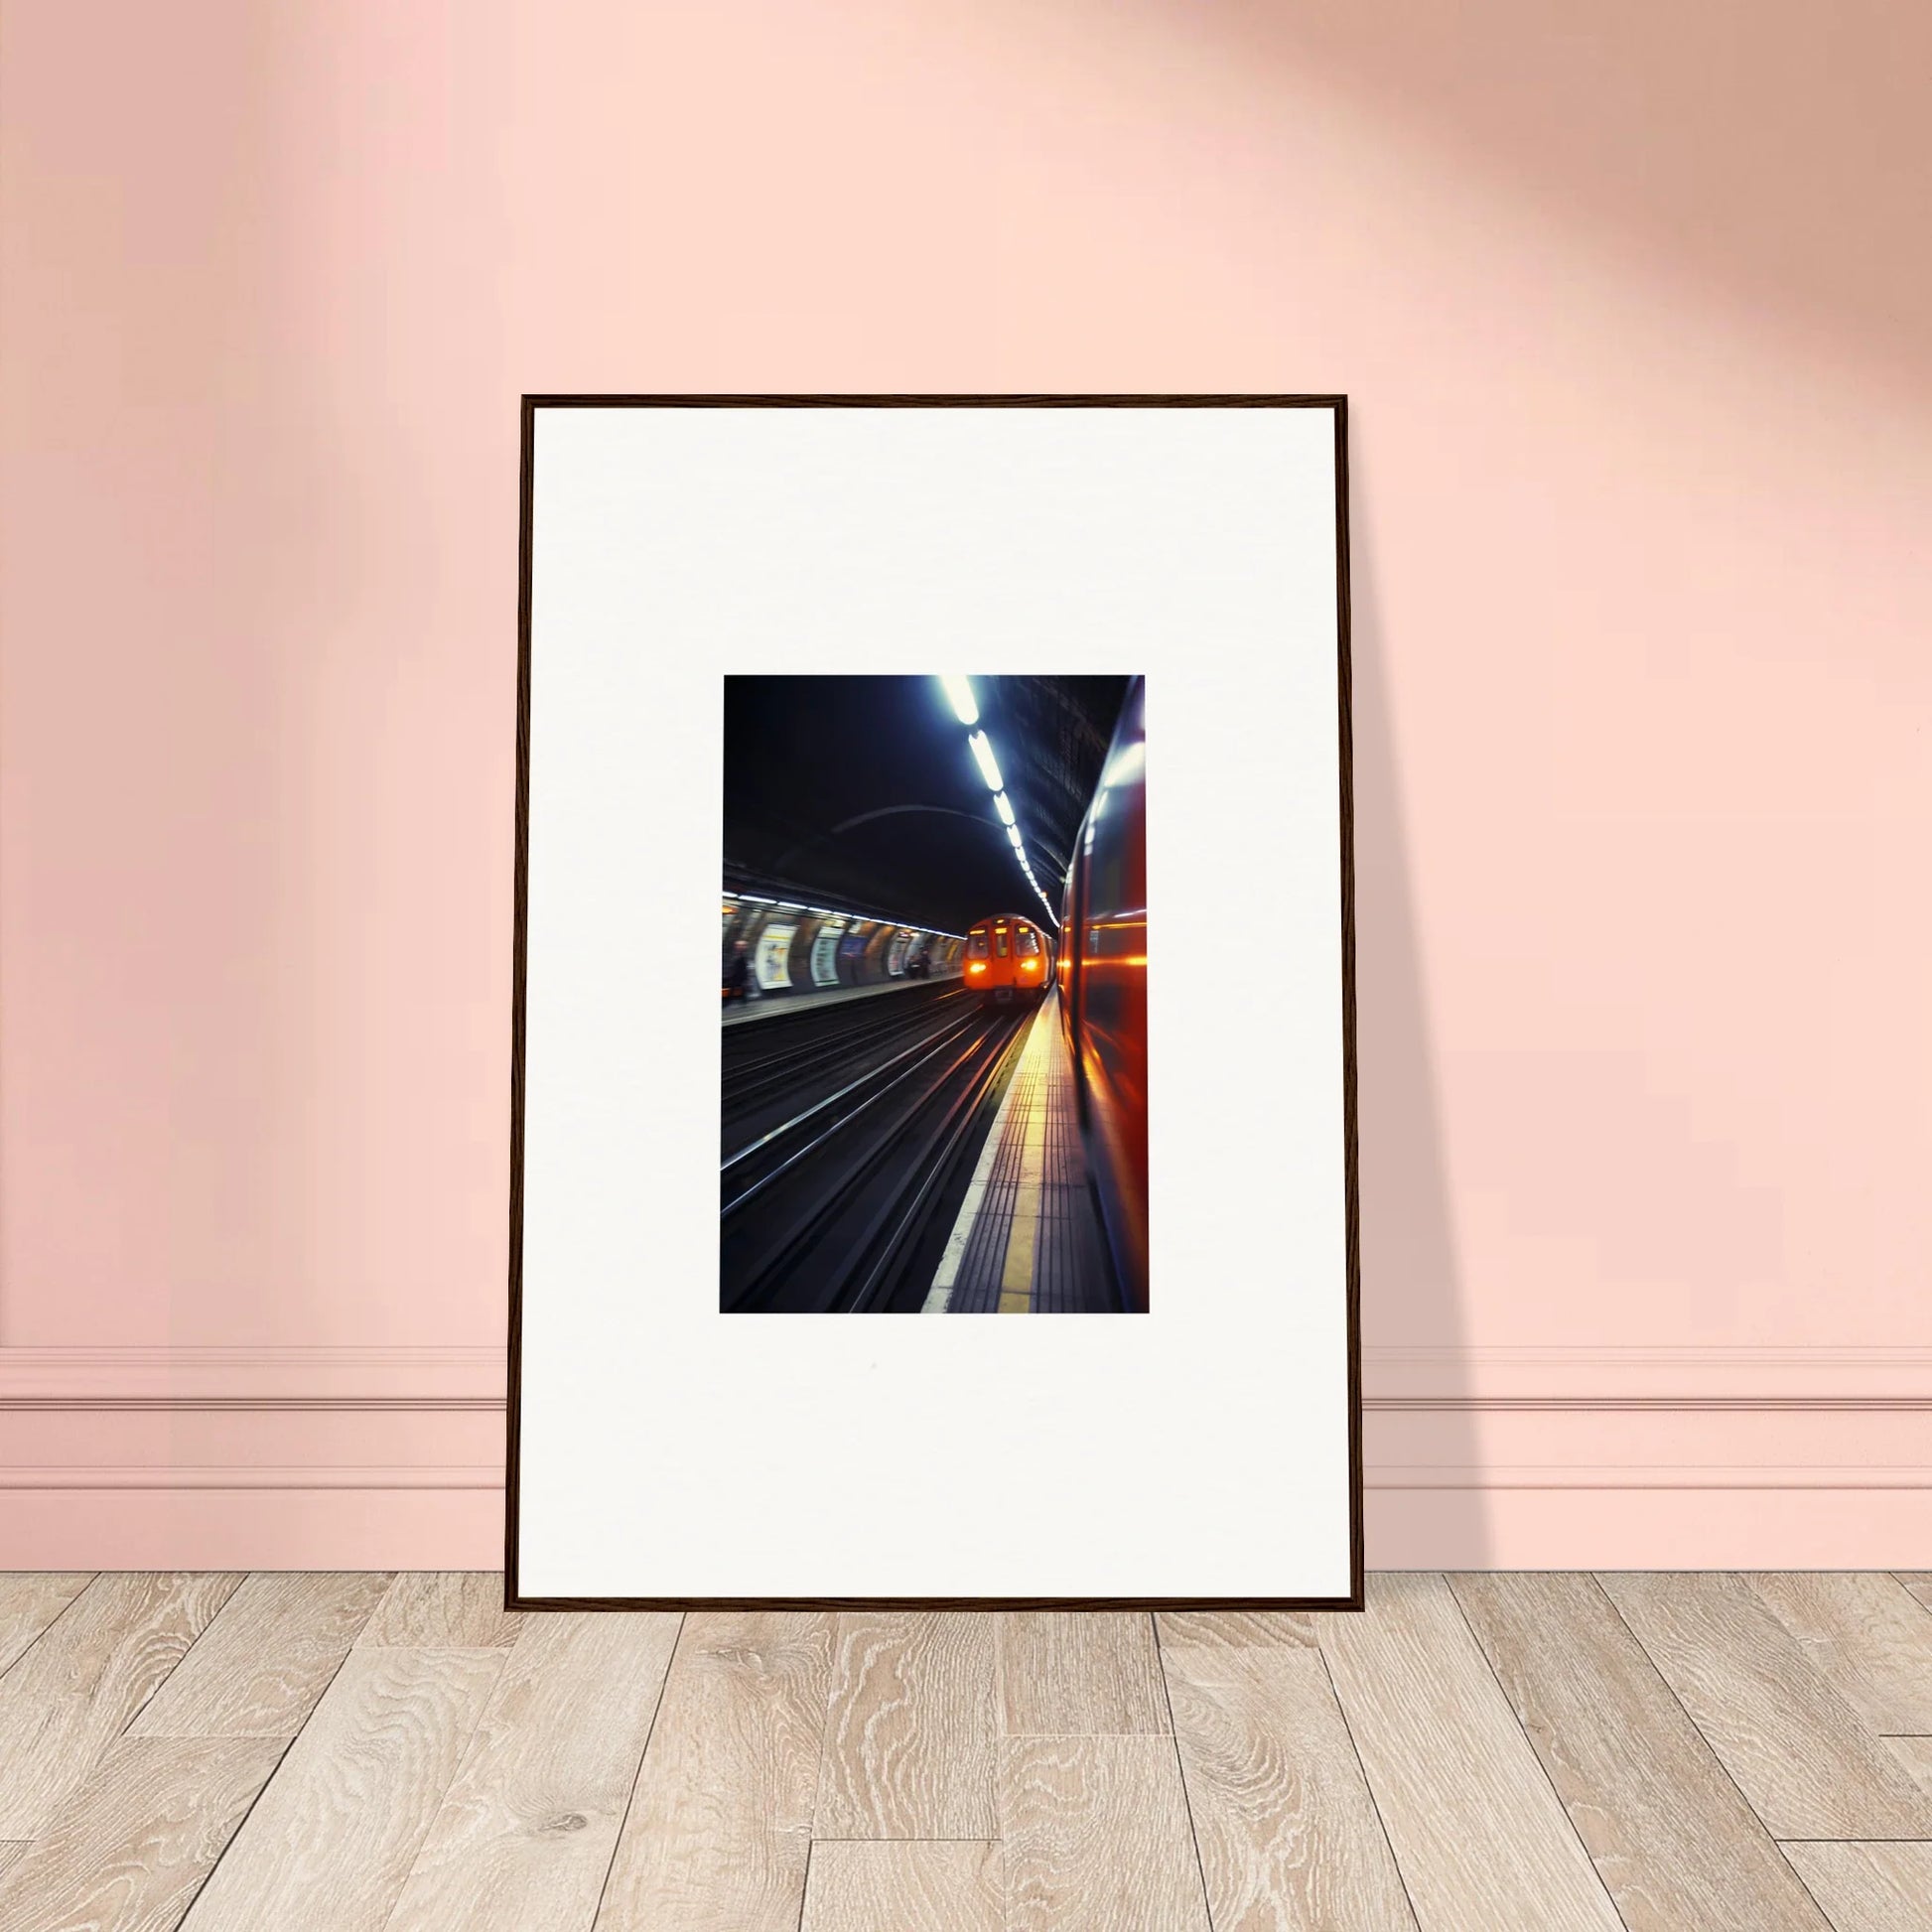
<point>772,1005</point>
<point>1028,1240</point>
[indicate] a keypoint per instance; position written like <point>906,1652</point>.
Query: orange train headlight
<point>976,966</point>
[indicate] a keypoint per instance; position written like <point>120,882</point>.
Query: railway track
<point>846,1148</point>
<point>766,1060</point>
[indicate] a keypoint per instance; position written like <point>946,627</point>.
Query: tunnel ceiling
<point>860,792</point>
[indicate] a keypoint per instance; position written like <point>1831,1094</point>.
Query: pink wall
<point>1637,318</point>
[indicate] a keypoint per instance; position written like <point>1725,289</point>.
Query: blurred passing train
<point>1008,958</point>
<point>1103,992</point>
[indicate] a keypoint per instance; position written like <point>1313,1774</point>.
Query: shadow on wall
<point>1412,1281</point>
<point>1774,151</point>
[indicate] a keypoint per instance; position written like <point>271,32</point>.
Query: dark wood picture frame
<point>514,1598</point>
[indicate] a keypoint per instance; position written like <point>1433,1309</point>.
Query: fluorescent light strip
<point>983,757</point>
<point>959,694</point>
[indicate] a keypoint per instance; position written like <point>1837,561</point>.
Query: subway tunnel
<point>934,974</point>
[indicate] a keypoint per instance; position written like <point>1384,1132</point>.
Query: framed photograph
<point>1010,736</point>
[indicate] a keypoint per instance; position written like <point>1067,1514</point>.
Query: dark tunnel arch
<point>861,789</point>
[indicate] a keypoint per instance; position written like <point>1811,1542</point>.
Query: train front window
<point>999,943</point>
<point>1028,942</point>
<point>976,946</point>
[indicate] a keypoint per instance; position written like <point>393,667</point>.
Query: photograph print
<point>935,958</point>
<point>997,1029</point>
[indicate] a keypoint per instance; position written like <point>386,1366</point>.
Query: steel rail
<point>748,1083</point>
<point>935,1159</point>
<point>801,1234</point>
<point>933,1043</point>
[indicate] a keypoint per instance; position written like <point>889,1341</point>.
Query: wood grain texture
<point>443,1609</point>
<point>1915,1753</point>
<point>1286,1831</point>
<point>720,1822</point>
<point>820,1772</point>
<point>1236,1629</point>
<point>1865,1635</point>
<point>1080,1673</point>
<point>524,1839</point>
<point>913,1726</point>
<point>1919,1582</point>
<point>30,1602</point>
<point>1096,1836</point>
<point>905,1887</point>
<point>1479,1834</point>
<point>331,1841</point>
<point>1869,1887</point>
<point>1795,1748</point>
<point>129,1849</point>
<point>1669,1834</point>
<point>73,1693</point>
<point>258,1670</point>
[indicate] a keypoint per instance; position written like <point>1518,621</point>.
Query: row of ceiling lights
<point>959,694</point>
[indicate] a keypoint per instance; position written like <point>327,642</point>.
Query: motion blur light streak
<point>982,755</point>
<point>960,691</point>
<point>1103,1011</point>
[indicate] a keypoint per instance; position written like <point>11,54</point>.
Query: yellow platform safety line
<point>940,1296</point>
<point>1023,1234</point>
<point>1025,1098</point>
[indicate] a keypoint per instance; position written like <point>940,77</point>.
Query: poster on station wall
<point>825,953</point>
<point>1043,702</point>
<point>774,955</point>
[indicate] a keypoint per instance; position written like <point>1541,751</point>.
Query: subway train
<point>1102,978</point>
<point>1008,959</point>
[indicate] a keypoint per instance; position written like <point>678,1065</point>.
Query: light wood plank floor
<point>1474,1753</point>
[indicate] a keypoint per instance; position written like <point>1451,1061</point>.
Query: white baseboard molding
<point>1474,1457</point>
<point>298,1378</point>
<point>301,1528</point>
<point>1420,1528</point>
<point>1488,1479</point>
<point>216,1476</point>
<point>1393,1379</point>
<point>1611,1379</point>
<point>1693,1526</point>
